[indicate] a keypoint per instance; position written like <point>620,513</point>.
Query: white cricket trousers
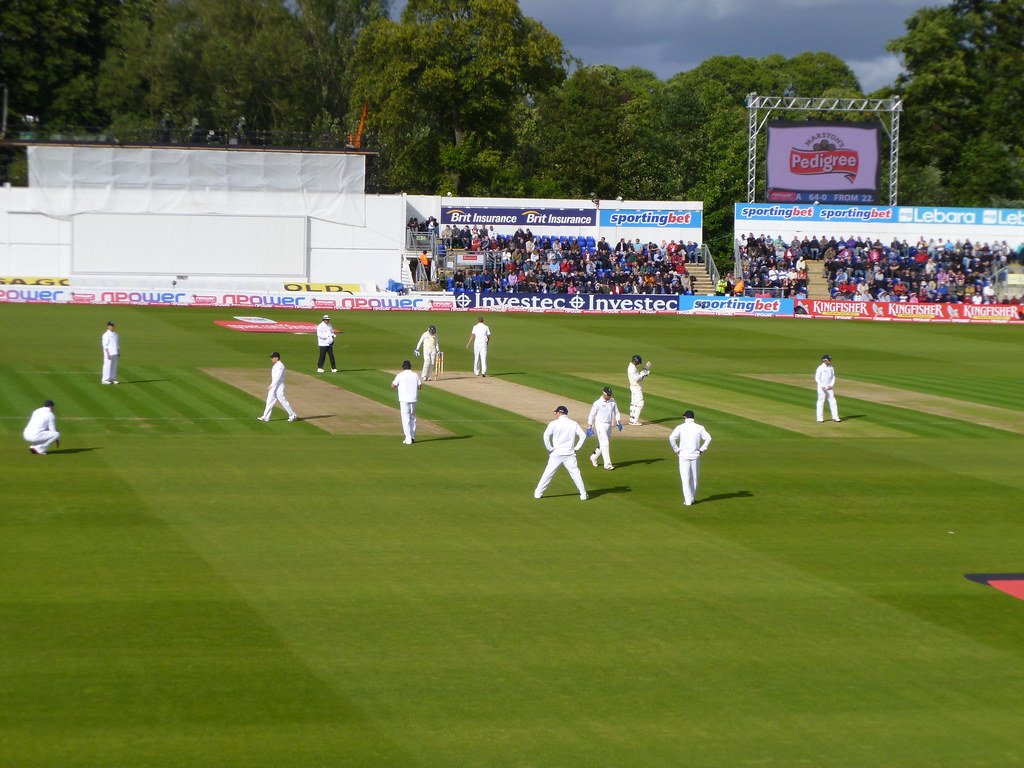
<point>554,462</point>
<point>429,363</point>
<point>827,393</point>
<point>41,440</point>
<point>276,395</point>
<point>408,421</point>
<point>109,367</point>
<point>689,471</point>
<point>636,403</point>
<point>480,360</point>
<point>603,432</point>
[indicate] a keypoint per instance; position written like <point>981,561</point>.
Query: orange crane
<point>356,140</point>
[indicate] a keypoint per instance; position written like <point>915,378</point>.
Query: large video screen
<point>829,162</point>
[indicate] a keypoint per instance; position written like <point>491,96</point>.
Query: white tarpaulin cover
<point>69,180</point>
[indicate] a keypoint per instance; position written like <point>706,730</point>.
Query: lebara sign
<point>537,216</point>
<point>760,213</point>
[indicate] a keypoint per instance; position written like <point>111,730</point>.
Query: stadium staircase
<point>703,285</point>
<point>817,283</point>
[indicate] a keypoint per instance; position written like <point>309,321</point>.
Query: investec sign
<point>535,216</point>
<point>566,302</point>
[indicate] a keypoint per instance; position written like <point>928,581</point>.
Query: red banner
<point>886,310</point>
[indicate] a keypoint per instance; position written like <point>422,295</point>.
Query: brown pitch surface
<point>535,404</point>
<point>944,407</point>
<point>325,404</point>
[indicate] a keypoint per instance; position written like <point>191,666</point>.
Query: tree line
<point>471,97</point>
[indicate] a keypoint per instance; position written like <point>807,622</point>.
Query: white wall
<point>153,244</point>
<point>239,249</point>
<point>369,255</point>
<point>31,245</point>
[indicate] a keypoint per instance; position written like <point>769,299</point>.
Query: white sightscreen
<point>188,245</point>
<point>64,181</point>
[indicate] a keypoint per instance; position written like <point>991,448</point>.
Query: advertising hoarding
<point>833,162</point>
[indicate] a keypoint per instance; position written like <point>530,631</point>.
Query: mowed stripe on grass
<point>761,406</point>
<point>533,403</point>
<point>325,405</point>
<point>936,405</point>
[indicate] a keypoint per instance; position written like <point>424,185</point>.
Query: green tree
<point>578,135</point>
<point>963,91</point>
<point>50,54</point>
<point>214,60</point>
<point>443,83</point>
<point>330,30</point>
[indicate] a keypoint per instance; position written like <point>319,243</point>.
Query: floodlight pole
<point>891,107</point>
<point>3,112</point>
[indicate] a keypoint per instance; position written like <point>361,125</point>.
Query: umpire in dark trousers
<point>325,339</point>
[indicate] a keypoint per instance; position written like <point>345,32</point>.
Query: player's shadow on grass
<point>439,439</point>
<point>637,461</point>
<point>144,381</point>
<point>58,451</point>
<point>724,496</point>
<point>614,489</point>
<point>855,416</point>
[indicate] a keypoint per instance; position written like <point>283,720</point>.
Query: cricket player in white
<point>431,346</point>
<point>689,440</point>
<point>825,379</point>
<point>41,430</point>
<point>408,385</point>
<point>603,413</point>
<point>480,337</point>
<point>325,340</point>
<point>636,374</point>
<point>563,437</point>
<point>275,392</point>
<point>111,353</point>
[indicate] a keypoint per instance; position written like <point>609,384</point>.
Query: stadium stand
<point>526,263</point>
<point>866,269</point>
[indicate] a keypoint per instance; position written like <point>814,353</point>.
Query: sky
<point>671,36</point>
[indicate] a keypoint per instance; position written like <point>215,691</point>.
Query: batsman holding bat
<point>636,372</point>
<point>431,352</point>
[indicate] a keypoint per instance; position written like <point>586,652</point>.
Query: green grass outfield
<point>182,585</point>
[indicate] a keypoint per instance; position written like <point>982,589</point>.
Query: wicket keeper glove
<point>416,352</point>
<point>590,431</point>
<point>619,425</point>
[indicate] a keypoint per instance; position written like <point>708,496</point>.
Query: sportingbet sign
<point>652,218</point>
<point>833,162</point>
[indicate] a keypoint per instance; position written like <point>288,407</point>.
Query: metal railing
<point>198,137</point>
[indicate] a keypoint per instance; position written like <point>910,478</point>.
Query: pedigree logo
<point>826,155</point>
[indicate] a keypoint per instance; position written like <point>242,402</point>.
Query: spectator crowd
<point>865,269</point>
<point>526,263</point>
